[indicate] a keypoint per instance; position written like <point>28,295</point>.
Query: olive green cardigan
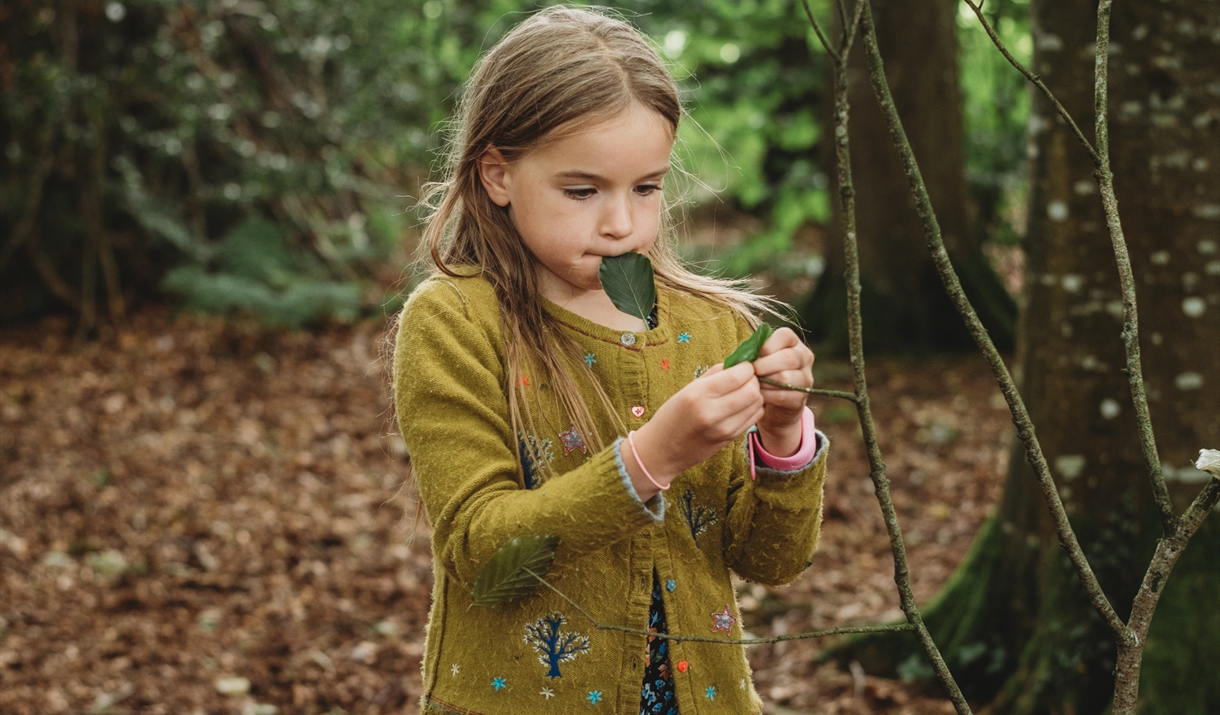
<point>537,654</point>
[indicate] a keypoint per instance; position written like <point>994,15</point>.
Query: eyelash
<point>584,193</point>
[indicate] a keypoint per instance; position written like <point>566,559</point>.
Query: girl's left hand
<point>783,358</point>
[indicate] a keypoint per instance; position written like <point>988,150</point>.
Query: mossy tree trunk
<point>1014,622</point>
<point>903,301</point>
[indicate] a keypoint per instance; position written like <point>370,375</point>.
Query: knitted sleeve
<point>774,519</point>
<point>453,414</point>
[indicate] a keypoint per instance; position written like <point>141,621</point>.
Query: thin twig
<point>843,630</point>
<point>1126,277</point>
<point>850,396</point>
<point>817,27</point>
<point>855,324</point>
<point>944,267</point>
<point>1037,81</point>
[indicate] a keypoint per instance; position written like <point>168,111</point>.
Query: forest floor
<point>205,516</point>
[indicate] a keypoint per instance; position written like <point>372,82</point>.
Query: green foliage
<point>259,273</point>
<point>628,281</point>
<point>179,120</point>
<point>996,109</point>
<point>505,576</point>
<point>747,351</point>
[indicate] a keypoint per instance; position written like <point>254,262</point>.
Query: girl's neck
<point>596,306</point>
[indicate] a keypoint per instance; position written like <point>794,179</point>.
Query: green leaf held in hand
<point>748,350</point>
<point>628,281</point>
<point>504,577</point>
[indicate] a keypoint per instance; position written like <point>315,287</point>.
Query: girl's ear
<point>493,172</point>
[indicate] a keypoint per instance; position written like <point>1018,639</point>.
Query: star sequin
<point>590,358</point>
<point>499,684</point>
<point>595,697</point>
<point>684,337</point>
<point>572,441</point>
<point>724,621</point>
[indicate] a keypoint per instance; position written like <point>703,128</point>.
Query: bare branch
<point>830,50</point>
<point>850,396</point>
<point>1063,113</point>
<point>1126,277</point>
<point>944,267</point>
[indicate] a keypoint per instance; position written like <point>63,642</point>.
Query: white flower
<point>1209,461</point>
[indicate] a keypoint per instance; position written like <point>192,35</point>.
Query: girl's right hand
<point>697,422</point>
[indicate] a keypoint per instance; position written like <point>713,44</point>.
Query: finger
<point>779,340</point>
<point>724,381</point>
<point>796,360</point>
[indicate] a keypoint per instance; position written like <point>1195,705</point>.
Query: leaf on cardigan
<point>504,577</point>
<point>628,281</point>
<point>748,350</point>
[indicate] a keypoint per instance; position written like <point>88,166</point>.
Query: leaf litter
<point>194,505</point>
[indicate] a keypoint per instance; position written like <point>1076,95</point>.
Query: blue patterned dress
<point>657,695</point>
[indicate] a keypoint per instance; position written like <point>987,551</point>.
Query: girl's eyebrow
<point>588,176</point>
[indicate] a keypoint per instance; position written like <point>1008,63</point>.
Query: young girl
<point>531,405</point>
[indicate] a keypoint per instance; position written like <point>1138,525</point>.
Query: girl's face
<point>588,195</point>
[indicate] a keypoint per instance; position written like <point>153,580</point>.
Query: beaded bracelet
<point>655,483</point>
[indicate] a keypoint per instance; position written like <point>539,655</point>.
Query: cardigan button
<point>627,339</point>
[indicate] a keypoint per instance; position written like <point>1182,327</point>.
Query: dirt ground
<point>200,516</point>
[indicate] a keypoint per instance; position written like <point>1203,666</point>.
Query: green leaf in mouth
<point>628,281</point>
<point>748,350</point>
<point>504,577</point>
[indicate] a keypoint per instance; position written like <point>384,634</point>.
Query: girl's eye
<point>580,194</point>
<point>647,189</point>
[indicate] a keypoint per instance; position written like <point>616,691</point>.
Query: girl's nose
<point>616,220</point>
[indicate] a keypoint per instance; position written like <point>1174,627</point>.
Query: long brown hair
<point>558,72</point>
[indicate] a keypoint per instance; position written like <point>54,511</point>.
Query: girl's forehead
<point>638,133</point>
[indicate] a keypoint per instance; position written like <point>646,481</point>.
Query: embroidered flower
<point>547,693</point>
<point>664,363</point>
<point>710,693</point>
<point>499,684</point>
<point>524,380</point>
<point>723,621</point>
<point>684,338</point>
<point>590,358</point>
<point>595,697</point>
<point>454,669</point>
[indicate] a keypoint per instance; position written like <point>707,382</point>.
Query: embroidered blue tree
<point>553,645</point>
<point>698,517</point>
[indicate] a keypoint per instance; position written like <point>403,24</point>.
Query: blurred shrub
<point>143,133</point>
<point>147,139</point>
<point>996,111</point>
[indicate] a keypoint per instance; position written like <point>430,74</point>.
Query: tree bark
<point>1013,621</point>
<point>903,301</point>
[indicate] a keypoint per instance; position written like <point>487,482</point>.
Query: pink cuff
<point>804,453</point>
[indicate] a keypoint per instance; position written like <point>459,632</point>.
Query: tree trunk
<point>903,302</point>
<point>1014,621</point>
